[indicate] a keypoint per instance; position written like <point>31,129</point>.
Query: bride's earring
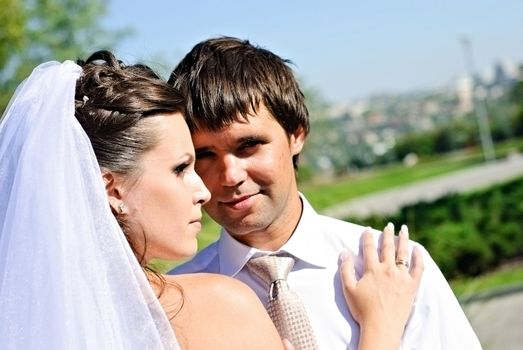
<point>120,208</point>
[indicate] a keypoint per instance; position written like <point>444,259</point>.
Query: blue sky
<point>343,49</point>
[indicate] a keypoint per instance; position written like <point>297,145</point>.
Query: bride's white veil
<point>68,278</point>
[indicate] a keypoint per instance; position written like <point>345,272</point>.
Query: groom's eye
<point>204,153</point>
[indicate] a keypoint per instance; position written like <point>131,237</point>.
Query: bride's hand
<point>381,300</point>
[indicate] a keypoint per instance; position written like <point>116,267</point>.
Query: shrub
<point>466,234</point>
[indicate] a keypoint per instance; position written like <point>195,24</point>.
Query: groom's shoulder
<point>334,229</point>
<point>205,260</point>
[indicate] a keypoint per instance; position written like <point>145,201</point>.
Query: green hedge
<point>466,234</point>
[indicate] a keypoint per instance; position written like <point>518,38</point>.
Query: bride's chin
<point>184,252</point>
<point>166,257</point>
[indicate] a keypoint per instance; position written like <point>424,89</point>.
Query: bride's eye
<point>180,169</point>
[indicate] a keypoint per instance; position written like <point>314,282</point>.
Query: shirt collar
<point>306,243</point>
<point>233,255</point>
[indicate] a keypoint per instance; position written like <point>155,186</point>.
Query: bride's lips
<point>197,223</point>
<point>239,203</point>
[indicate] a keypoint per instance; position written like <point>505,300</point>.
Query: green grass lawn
<point>504,277</point>
<point>326,195</point>
<point>323,196</point>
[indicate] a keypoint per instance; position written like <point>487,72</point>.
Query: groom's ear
<point>113,190</point>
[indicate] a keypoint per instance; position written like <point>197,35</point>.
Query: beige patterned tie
<point>285,307</point>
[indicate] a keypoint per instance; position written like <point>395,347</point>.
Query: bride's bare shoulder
<point>210,284</point>
<point>210,311</point>
<point>216,296</point>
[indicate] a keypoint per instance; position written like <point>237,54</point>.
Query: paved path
<point>498,321</point>
<point>390,201</point>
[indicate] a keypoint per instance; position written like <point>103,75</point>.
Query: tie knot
<point>270,268</point>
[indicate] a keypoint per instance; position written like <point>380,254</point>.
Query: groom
<point>249,124</point>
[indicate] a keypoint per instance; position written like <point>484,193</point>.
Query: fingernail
<point>287,343</point>
<point>390,226</point>
<point>404,230</point>
<point>344,255</point>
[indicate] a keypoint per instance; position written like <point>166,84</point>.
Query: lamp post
<point>479,107</point>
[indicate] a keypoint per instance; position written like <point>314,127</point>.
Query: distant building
<point>464,92</point>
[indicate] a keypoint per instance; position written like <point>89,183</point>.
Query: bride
<point>96,179</point>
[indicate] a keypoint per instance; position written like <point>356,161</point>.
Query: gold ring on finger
<point>402,262</point>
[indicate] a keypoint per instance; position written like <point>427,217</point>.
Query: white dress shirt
<point>437,320</point>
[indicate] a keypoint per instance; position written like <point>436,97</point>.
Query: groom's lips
<point>240,202</point>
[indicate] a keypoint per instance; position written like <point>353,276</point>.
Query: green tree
<point>319,123</point>
<point>35,31</point>
<point>516,97</point>
<point>11,36</point>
